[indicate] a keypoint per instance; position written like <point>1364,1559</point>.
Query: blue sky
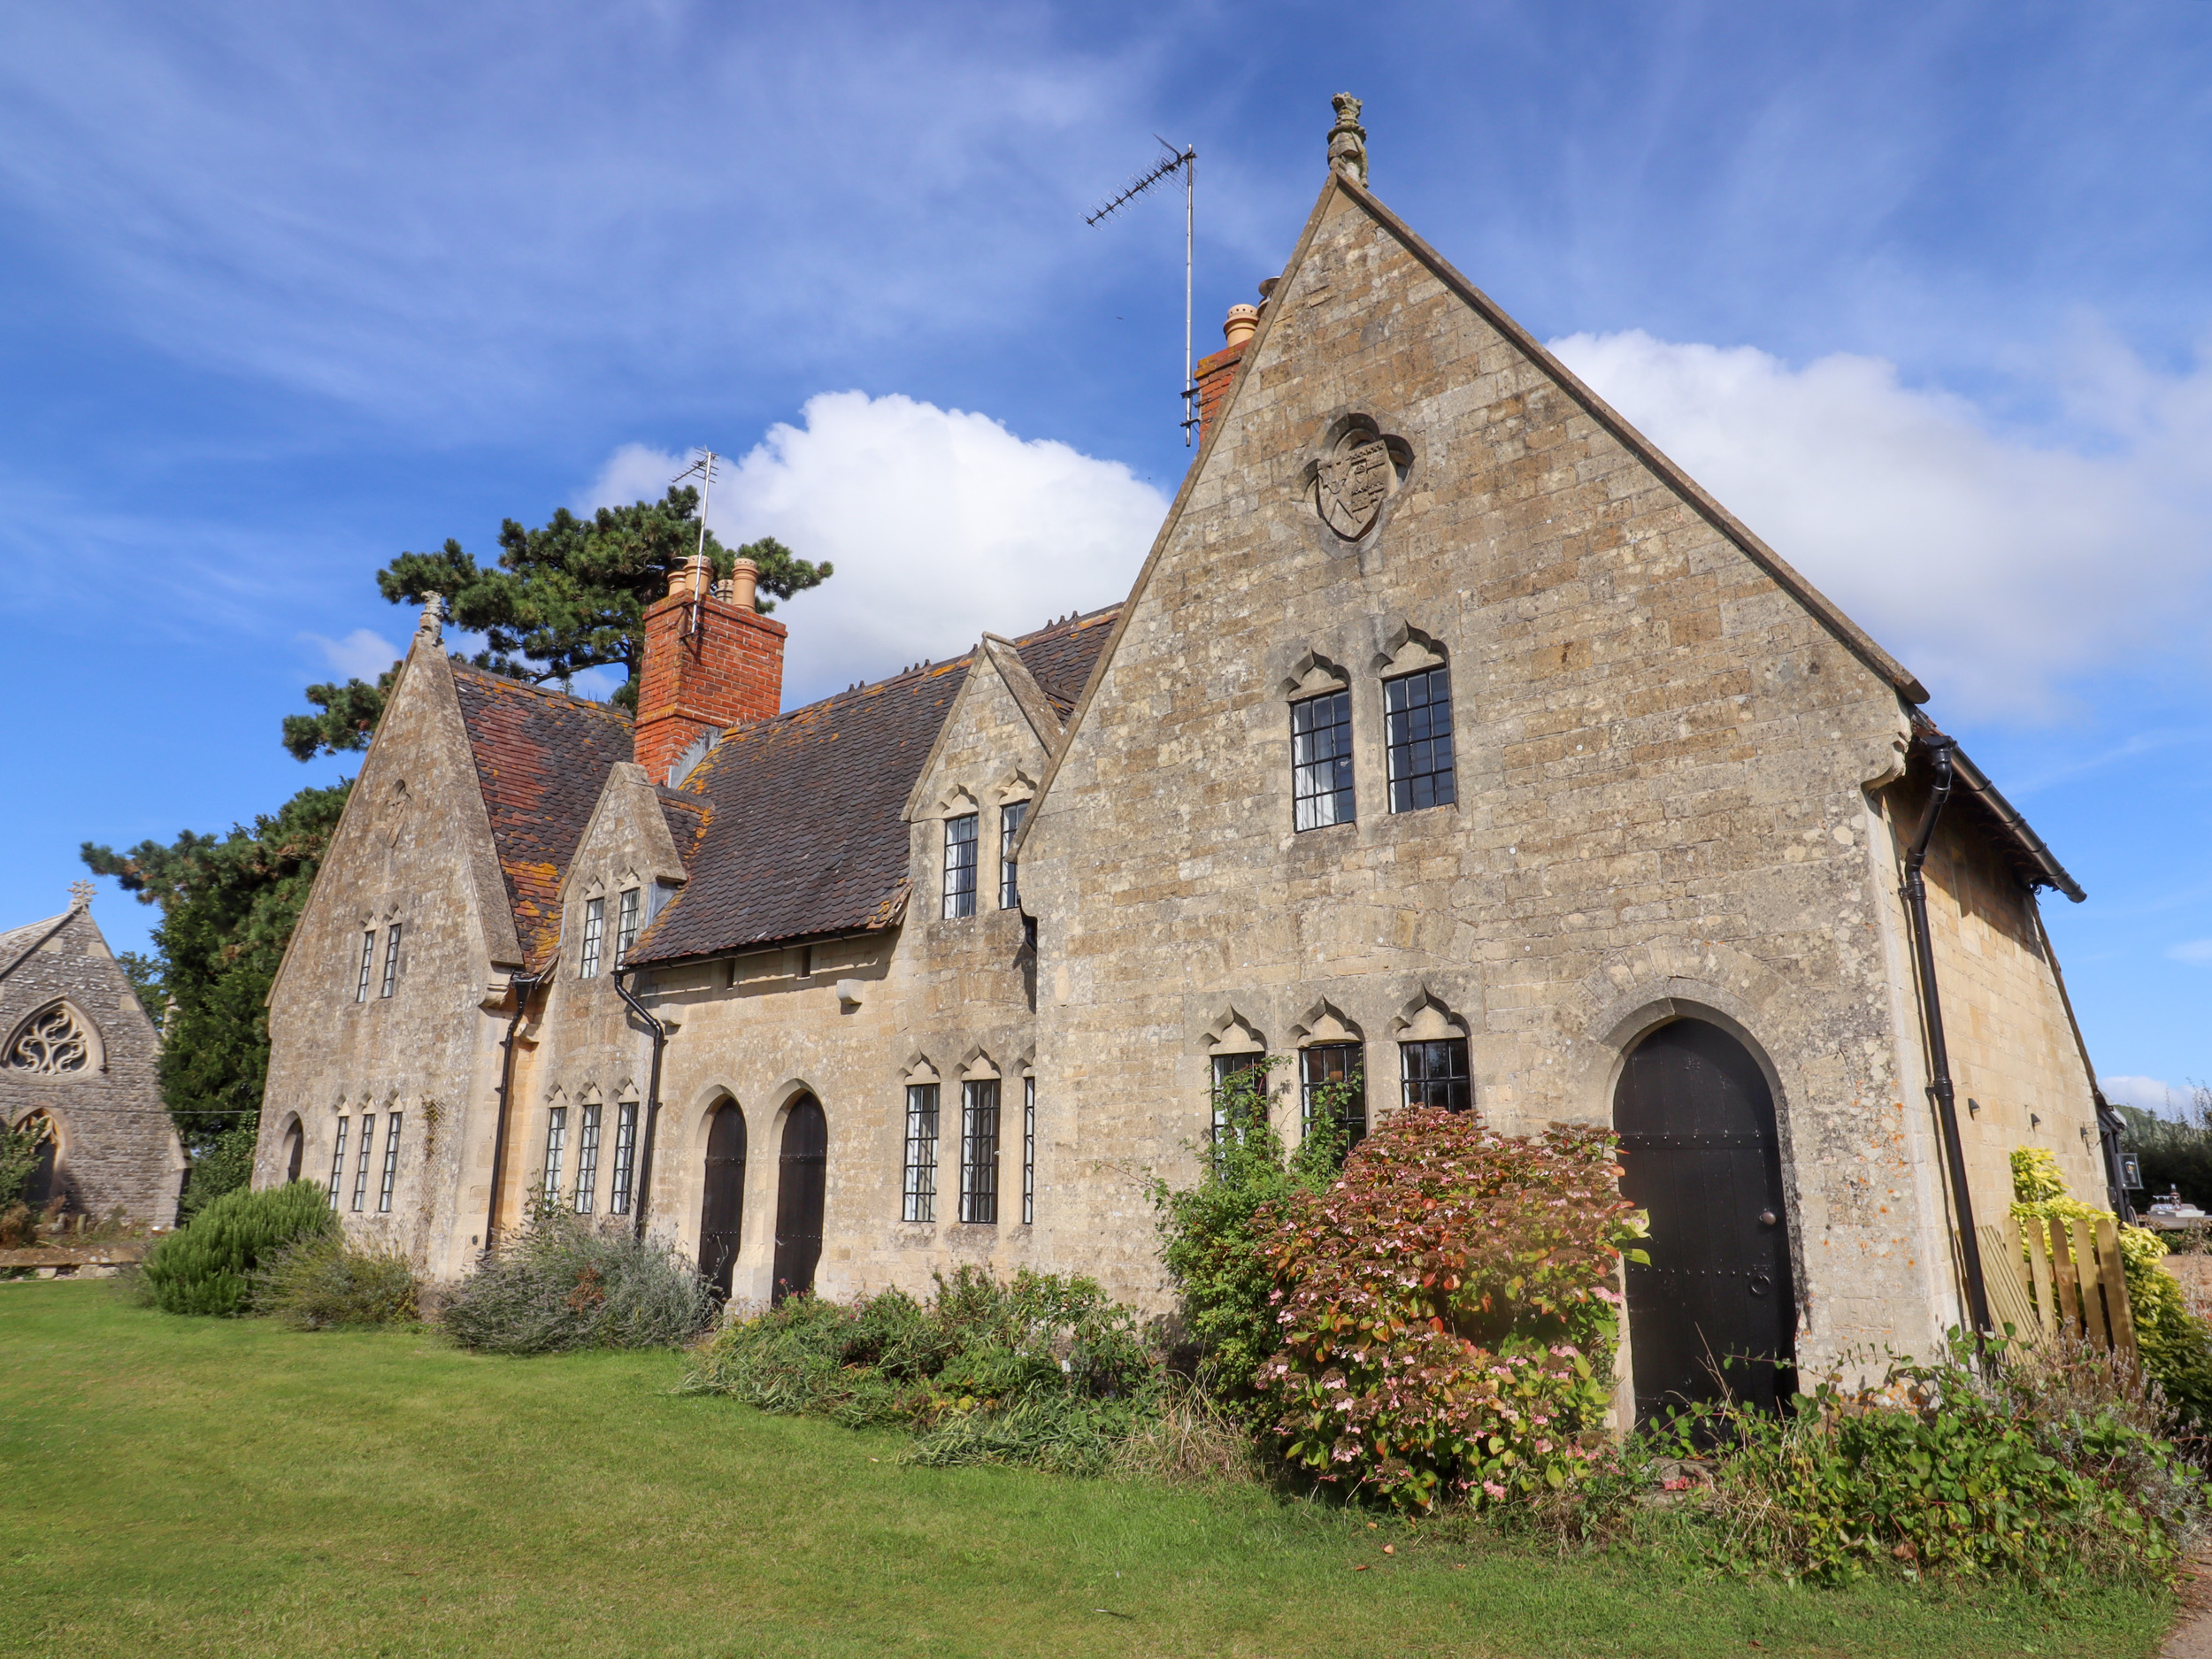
<point>1918,290</point>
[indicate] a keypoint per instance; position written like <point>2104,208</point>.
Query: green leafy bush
<point>321,1284</point>
<point>1214,1243</point>
<point>1448,1313</point>
<point>207,1268</point>
<point>568,1282</point>
<point>1044,1370</point>
<point>2043,1466</point>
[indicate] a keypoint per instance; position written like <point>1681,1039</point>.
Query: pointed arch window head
<point>53,1042</point>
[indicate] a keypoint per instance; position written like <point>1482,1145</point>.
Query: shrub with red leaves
<point>1449,1313</point>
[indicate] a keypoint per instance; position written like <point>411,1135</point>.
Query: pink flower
<point>1495,1492</point>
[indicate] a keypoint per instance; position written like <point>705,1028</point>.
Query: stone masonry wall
<point>117,1148</point>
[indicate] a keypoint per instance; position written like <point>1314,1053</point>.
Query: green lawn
<point>221,1487</point>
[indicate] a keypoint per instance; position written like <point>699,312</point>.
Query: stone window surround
<point>87,1030</point>
<point>1405,649</point>
<point>366,944</point>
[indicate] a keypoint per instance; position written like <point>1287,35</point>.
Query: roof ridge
<point>461,665</point>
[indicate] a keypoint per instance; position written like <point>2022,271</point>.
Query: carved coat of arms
<point>1352,481</point>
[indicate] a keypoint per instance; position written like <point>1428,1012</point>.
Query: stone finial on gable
<point>432,622</point>
<point>1348,138</point>
<point>80,895</point>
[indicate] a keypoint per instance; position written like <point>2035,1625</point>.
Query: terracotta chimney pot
<point>1240,325</point>
<point>744,582</point>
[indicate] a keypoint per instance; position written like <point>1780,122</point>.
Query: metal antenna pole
<point>704,468</point>
<point>1186,159</point>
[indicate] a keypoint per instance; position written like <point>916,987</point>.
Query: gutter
<point>652,1093</point>
<point>2047,871</point>
<point>1915,892</point>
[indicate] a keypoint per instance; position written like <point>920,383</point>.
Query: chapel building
<point>1451,739</point>
<point>79,1073</point>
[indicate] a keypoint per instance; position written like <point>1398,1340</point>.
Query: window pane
<point>919,1201</point>
<point>338,1155</point>
<point>368,960</point>
<point>1029,1151</point>
<point>1331,1072</point>
<point>586,1159</point>
<point>979,1151</point>
<point>625,930</point>
<point>1010,824</point>
<point>625,1155</point>
<point>361,1161</point>
<point>1417,738</point>
<point>556,1143</point>
<point>959,866</point>
<point>1321,761</point>
<point>594,926</point>
<point>1436,1074</point>
<point>391,1164</point>
<point>391,958</point>
<point>1229,1101</point>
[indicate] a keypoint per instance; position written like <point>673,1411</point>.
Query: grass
<point>184,1486</point>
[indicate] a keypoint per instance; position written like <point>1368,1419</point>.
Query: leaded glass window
<point>361,1159</point>
<point>586,1158</point>
<point>979,1151</point>
<point>391,1163</point>
<point>1009,826</point>
<point>959,866</point>
<point>368,961</point>
<point>1329,1074</point>
<point>594,926</point>
<point>338,1154</point>
<point>625,1158</point>
<point>1435,1074</point>
<point>391,958</point>
<point>1417,738</point>
<point>1029,1151</point>
<point>1233,1099</point>
<point>556,1144</point>
<point>625,924</point>
<point>919,1200</point>
<point>1321,761</point>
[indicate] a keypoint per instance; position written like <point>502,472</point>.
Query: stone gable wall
<point>118,1149</point>
<point>1663,768</point>
<point>406,850</point>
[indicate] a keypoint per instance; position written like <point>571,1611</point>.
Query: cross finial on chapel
<point>80,895</point>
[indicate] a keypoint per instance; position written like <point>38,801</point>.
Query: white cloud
<point>363,654</point>
<point>1994,566</point>
<point>2196,950</point>
<point>2146,1094</point>
<point>941,524</point>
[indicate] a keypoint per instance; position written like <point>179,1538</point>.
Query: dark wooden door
<point>1698,1143</point>
<point>294,1149</point>
<point>39,1191</point>
<point>722,1209</point>
<point>799,1182</point>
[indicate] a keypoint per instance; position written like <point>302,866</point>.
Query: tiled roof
<point>805,834</point>
<point>541,760</point>
<point>1059,658</point>
<point>19,942</point>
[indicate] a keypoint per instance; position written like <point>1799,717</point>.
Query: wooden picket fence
<point>2056,1278</point>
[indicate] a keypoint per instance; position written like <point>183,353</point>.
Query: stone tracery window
<point>51,1043</point>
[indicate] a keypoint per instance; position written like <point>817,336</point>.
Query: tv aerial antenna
<point>703,469</point>
<point>1184,161</point>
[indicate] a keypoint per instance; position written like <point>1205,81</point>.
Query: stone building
<point>1451,739</point>
<point>79,1071</point>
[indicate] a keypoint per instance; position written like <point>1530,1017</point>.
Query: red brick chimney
<point>710,660</point>
<point>1213,374</point>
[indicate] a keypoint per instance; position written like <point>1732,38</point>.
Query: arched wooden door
<point>294,1149</point>
<point>39,1191</point>
<point>799,1180</point>
<point>1698,1142</point>
<point>722,1209</point>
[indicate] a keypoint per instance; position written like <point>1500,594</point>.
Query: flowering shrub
<point>1447,1312</point>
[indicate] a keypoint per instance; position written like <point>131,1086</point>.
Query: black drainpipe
<point>524,984</point>
<point>1915,896</point>
<point>652,1097</point>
